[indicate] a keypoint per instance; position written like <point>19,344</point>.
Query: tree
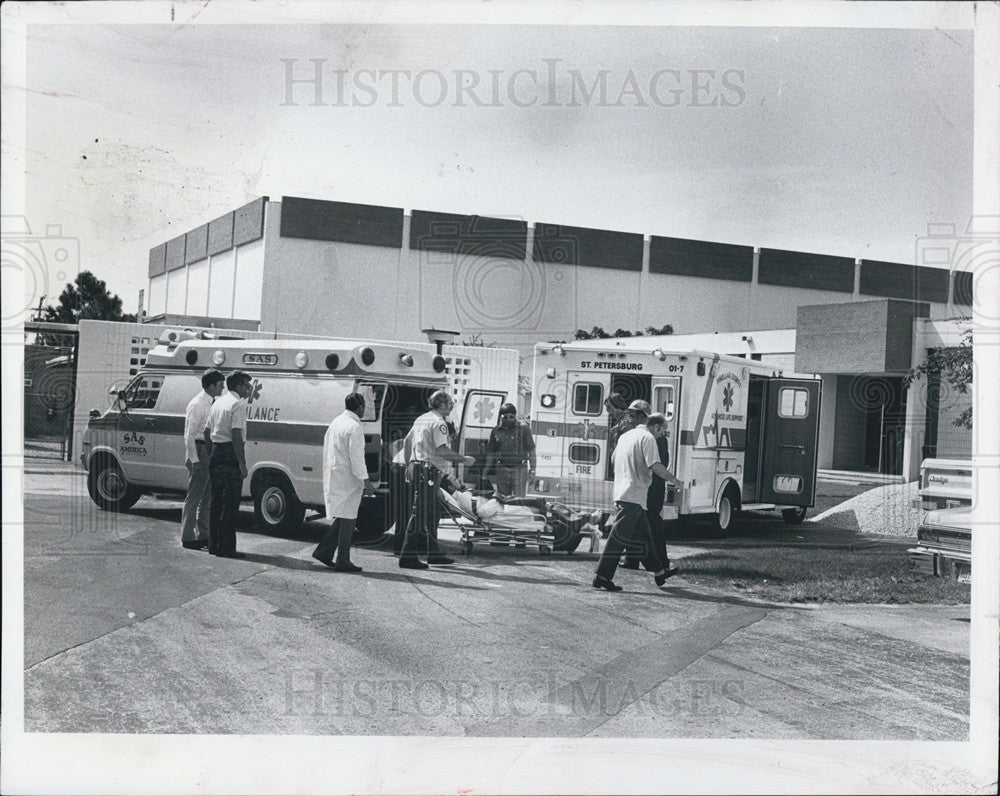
<point>87,298</point>
<point>954,365</point>
<point>597,333</point>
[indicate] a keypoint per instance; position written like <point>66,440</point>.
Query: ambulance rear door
<point>585,445</point>
<point>666,401</point>
<point>480,415</point>
<point>790,442</point>
<point>371,422</point>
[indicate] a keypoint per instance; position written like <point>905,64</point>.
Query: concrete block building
<point>319,267</point>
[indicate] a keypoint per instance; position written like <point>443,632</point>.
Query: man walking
<point>655,498</point>
<point>227,467</point>
<point>431,459</point>
<point>512,449</point>
<point>636,459</point>
<point>345,479</point>
<point>195,514</point>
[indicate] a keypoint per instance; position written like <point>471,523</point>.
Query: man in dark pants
<point>432,457</point>
<point>655,498</point>
<point>345,480</point>
<point>511,448</point>
<point>197,510</point>
<point>227,467</point>
<point>636,459</point>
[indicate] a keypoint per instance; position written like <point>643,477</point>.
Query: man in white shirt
<point>432,457</point>
<point>345,479</point>
<point>636,458</point>
<point>195,515</point>
<point>224,432</point>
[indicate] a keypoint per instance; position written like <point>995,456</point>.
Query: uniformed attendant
<point>431,459</point>
<point>511,448</point>
<point>224,435</point>
<point>198,500</point>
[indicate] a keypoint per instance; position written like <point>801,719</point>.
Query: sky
<point>843,141</point>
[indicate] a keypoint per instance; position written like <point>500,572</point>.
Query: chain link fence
<point>49,390</point>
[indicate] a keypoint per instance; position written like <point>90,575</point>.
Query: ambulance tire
<point>276,508</point>
<point>794,516</point>
<point>108,488</point>
<point>729,504</point>
<point>374,519</point>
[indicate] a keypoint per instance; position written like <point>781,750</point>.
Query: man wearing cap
<point>512,449</point>
<point>432,457</point>
<point>636,458</point>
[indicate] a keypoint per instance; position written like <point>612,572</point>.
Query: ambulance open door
<point>666,401</point>
<point>790,441</point>
<point>480,415</point>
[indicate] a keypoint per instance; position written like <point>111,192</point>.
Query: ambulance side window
<point>142,393</point>
<point>587,398</point>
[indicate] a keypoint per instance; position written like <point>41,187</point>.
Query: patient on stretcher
<point>512,512</point>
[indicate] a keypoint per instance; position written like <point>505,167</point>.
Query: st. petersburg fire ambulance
<point>742,437</point>
<point>136,447</point>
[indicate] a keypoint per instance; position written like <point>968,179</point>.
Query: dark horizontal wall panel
<point>799,269</point>
<point>248,222</point>
<point>220,234</point>
<point>700,258</point>
<point>962,290</point>
<point>582,246</point>
<point>175,252</point>
<point>896,280</point>
<point>157,260</point>
<point>475,235</point>
<point>318,219</point>
<point>196,245</point>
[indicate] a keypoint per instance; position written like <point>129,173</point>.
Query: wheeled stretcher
<point>536,522</point>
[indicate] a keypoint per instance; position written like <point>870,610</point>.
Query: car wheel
<point>109,488</point>
<point>794,516</point>
<point>276,508</point>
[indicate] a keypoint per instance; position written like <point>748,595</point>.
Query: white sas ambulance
<point>136,446</point>
<point>742,437</point>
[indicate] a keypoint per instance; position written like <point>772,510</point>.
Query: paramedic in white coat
<point>345,479</point>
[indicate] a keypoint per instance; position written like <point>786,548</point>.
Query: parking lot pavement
<point>125,631</point>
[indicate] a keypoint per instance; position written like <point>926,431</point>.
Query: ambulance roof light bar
<point>440,337</point>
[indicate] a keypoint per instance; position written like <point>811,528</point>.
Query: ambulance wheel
<point>794,516</point>
<point>374,519</point>
<point>108,488</point>
<point>276,509</point>
<point>728,506</point>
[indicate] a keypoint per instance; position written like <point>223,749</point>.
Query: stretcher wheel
<point>466,547</point>
<point>544,550</point>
